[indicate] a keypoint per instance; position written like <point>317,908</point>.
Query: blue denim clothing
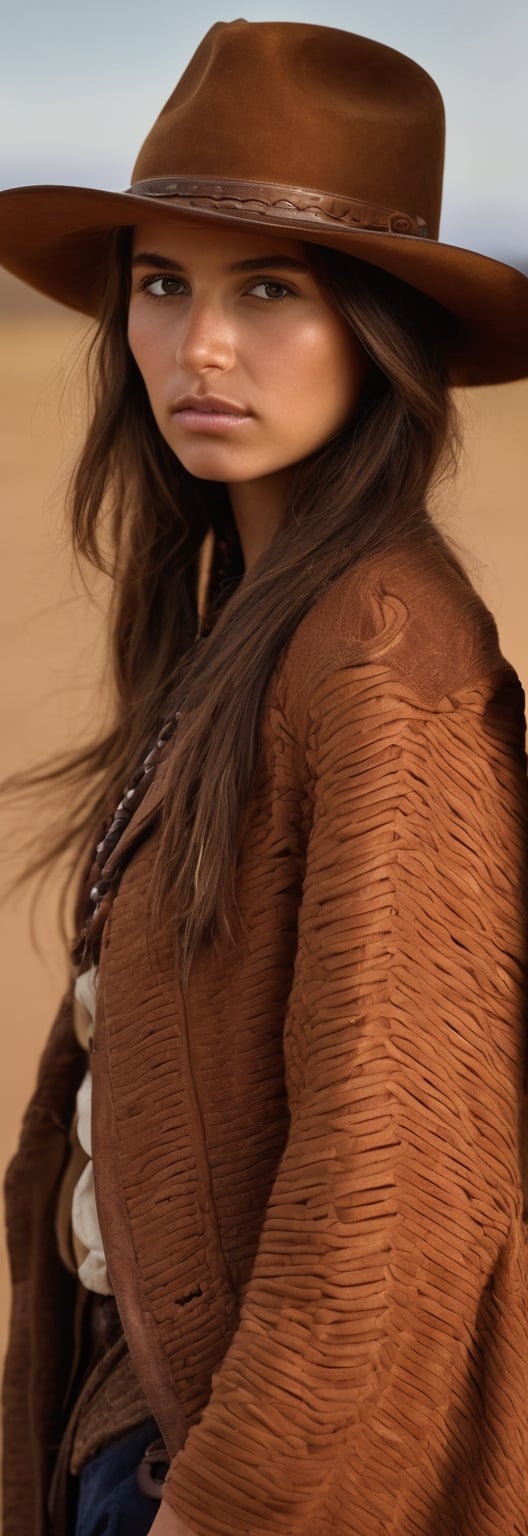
<point>110,1503</point>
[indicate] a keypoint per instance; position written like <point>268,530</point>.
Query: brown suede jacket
<point>308,1161</point>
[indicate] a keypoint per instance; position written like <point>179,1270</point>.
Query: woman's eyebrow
<point>251,264</point>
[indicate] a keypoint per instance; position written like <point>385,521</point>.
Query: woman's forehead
<point>180,239</point>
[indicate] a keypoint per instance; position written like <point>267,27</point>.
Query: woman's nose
<point>205,338</point>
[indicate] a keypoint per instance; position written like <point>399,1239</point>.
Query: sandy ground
<point>51,634</point>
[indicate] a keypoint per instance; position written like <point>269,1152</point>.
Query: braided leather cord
<point>102,888</point>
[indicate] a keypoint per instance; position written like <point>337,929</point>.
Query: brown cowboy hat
<point>313,132</point>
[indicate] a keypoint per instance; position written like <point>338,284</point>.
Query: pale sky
<point>81,84</point>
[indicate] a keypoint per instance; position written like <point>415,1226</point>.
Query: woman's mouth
<point>209,413</point>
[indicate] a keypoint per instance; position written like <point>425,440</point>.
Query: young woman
<point>266,1219</point>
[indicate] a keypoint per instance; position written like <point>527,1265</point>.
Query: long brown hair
<point>139,515</point>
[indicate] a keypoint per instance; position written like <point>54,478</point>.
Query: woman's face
<point>247,366</point>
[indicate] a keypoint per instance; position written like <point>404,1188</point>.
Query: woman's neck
<point>258,507</point>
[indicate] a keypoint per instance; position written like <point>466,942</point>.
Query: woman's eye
<point>162,287</point>
<point>270,288</point>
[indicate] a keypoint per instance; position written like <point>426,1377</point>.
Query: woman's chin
<point>200,459</point>
<point>210,463</point>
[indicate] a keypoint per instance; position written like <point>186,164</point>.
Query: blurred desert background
<point>52,674</point>
<point>52,656</point>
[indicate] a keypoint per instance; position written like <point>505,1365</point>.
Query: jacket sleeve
<point>397,1201</point>
<point>39,1353</point>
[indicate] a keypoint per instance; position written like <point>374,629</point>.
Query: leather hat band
<point>285,205</point>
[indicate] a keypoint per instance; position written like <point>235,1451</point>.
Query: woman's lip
<point>209,421</point>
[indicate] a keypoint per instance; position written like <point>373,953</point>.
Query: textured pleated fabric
<point>307,1162</point>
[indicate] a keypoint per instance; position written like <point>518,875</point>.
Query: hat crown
<point>304,106</point>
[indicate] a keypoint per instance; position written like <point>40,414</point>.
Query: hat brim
<point>57,239</point>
